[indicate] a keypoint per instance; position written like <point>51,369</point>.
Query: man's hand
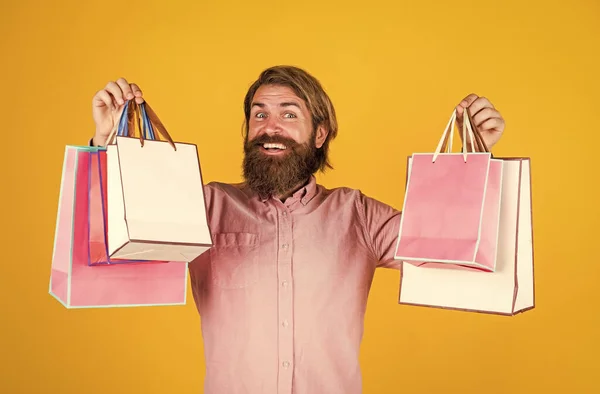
<point>486,120</point>
<point>108,103</point>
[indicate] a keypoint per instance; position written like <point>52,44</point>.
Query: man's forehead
<point>276,96</point>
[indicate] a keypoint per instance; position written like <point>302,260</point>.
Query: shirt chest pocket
<point>234,260</point>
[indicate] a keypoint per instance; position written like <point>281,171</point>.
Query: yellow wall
<point>394,71</point>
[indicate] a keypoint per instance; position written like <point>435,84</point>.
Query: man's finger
<point>492,124</point>
<point>483,115</point>
<point>460,108</point>
<point>466,102</point>
<point>479,104</point>
<point>125,88</point>
<point>137,92</point>
<point>104,98</point>
<point>115,91</point>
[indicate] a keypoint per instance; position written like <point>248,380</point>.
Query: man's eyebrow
<point>290,103</point>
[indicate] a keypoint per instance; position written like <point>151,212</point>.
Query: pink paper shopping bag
<point>451,208</point>
<point>82,275</point>
<point>510,289</point>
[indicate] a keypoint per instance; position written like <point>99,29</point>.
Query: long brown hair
<point>309,89</point>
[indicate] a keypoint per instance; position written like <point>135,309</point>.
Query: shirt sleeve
<point>381,224</point>
<point>200,268</point>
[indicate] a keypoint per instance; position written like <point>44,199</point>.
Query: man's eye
<point>289,115</point>
<point>260,115</point>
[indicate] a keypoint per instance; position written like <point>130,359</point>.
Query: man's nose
<point>272,125</point>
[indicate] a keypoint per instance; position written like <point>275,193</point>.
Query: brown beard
<point>277,175</point>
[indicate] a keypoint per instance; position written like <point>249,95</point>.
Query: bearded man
<point>282,294</point>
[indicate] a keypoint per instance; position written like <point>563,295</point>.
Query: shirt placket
<point>285,298</point>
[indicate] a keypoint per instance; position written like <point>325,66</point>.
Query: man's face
<point>280,149</point>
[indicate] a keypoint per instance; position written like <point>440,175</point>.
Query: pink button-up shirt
<point>282,294</point>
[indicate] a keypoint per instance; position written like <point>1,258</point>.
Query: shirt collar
<point>303,194</point>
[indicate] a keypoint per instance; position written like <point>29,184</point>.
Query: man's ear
<point>320,136</point>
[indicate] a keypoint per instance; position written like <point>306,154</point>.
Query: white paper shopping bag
<point>156,202</point>
<point>508,290</point>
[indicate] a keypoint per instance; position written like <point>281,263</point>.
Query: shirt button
<point>284,283</point>
<point>284,246</point>
<point>286,364</point>
<point>284,213</point>
<point>285,323</point>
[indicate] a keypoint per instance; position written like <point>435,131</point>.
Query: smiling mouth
<point>273,148</point>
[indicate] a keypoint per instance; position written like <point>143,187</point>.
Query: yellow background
<point>394,71</point>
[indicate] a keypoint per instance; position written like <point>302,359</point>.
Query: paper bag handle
<point>481,145</point>
<point>475,140</point>
<point>147,120</point>
<point>154,120</point>
<point>125,121</point>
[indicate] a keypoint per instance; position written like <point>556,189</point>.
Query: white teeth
<point>274,146</point>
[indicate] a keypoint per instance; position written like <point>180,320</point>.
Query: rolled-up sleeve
<point>381,224</point>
